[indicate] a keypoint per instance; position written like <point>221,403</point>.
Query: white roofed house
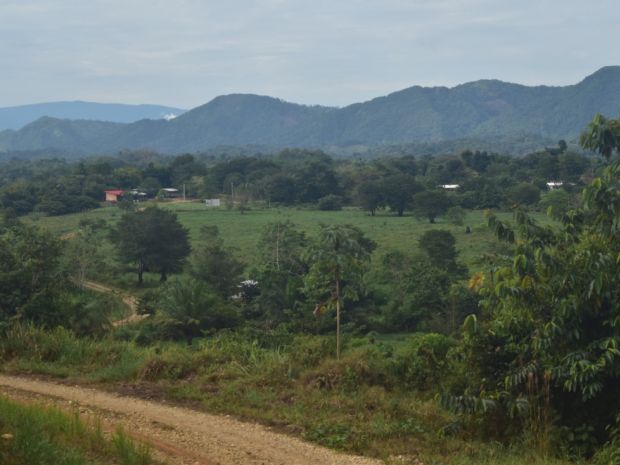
<point>170,192</point>
<point>554,185</point>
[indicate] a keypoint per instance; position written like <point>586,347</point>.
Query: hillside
<point>18,116</point>
<point>479,110</point>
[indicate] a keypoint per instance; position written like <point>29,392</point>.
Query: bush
<point>423,363</point>
<point>356,368</point>
<point>456,215</point>
<point>330,203</point>
<point>190,307</point>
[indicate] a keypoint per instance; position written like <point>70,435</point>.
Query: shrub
<point>330,203</point>
<point>423,363</point>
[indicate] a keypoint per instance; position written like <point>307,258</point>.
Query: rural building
<point>113,195</point>
<point>170,192</point>
<point>213,202</point>
<point>450,187</point>
<point>138,195</point>
<point>554,185</point>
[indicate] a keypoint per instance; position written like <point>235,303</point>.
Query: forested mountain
<point>19,116</point>
<point>477,110</point>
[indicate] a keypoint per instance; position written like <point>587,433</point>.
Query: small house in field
<point>450,187</point>
<point>170,192</point>
<point>138,196</point>
<point>213,202</point>
<point>551,185</point>
<point>113,195</point>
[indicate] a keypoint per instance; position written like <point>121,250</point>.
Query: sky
<point>186,52</point>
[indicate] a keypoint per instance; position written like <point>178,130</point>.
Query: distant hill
<point>480,110</point>
<point>19,116</point>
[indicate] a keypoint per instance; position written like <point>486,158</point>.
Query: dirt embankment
<point>180,435</point>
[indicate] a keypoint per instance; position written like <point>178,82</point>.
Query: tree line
<point>400,185</point>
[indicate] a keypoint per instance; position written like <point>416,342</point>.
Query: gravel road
<point>181,436</point>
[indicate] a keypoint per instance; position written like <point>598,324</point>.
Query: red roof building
<point>113,195</point>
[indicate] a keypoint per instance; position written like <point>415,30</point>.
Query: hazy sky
<point>185,52</point>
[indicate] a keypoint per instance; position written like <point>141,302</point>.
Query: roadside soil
<point>179,435</point>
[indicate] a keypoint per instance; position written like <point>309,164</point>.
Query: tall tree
<point>548,341</point>
<point>339,259</point>
<point>153,240</point>
<point>30,273</point>
<point>369,195</point>
<point>397,191</point>
<point>215,264</point>
<point>440,247</point>
<point>602,135</point>
<point>280,275</point>
<point>430,204</point>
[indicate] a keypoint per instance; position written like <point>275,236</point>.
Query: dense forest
<point>303,177</point>
<point>521,352</point>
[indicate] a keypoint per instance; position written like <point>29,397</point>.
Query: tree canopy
<point>153,240</point>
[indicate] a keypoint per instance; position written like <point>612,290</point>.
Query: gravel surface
<point>180,435</point>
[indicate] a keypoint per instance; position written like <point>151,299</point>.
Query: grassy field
<point>41,435</point>
<point>242,231</point>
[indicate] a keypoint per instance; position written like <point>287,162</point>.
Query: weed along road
<point>180,435</point>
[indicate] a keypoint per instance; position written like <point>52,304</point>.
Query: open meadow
<point>242,232</point>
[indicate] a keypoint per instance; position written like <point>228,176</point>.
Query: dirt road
<point>181,435</point>
<point>130,301</point>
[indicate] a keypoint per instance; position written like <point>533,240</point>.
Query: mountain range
<point>478,110</point>
<point>19,116</point>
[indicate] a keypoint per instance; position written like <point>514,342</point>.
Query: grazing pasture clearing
<point>242,231</point>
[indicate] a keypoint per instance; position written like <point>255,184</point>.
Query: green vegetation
<point>47,436</point>
<point>512,333</point>
<point>479,110</point>
<point>367,402</point>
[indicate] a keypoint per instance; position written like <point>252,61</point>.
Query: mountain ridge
<point>486,108</point>
<point>17,116</point>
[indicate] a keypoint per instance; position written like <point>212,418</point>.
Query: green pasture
<point>242,231</point>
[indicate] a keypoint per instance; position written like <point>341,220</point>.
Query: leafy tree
<point>316,179</point>
<point>281,248</point>
<point>190,307</point>
<point>397,191</point>
<point>426,287</point>
<point>440,247</point>
<point>430,204</point>
<point>82,254</point>
<point>602,135</point>
<point>548,341</point>
<point>572,166</point>
<point>369,195</point>
<point>280,188</point>
<point>215,264</point>
<point>280,276</point>
<point>524,194</point>
<point>31,276</point>
<point>184,167</point>
<point>558,200</point>
<point>339,259</point>
<point>153,240</point>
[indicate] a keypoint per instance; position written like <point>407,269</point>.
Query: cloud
<point>188,51</point>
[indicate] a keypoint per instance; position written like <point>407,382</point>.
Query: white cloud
<point>185,52</point>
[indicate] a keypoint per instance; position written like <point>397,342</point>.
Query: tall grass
<point>363,403</point>
<point>48,436</point>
